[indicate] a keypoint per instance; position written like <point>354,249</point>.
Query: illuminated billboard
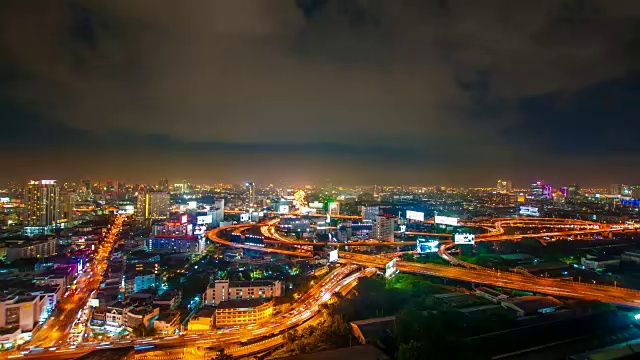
<point>427,246</point>
<point>284,209</point>
<point>415,215</point>
<point>199,229</point>
<point>403,228</point>
<point>204,219</point>
<point>529,211</point>
<point>192,204</point>
<point>446,220</point>
<point>333,256</point>
<point>390,269</point>
<point>245,217</point>
<point>94,302</point>
<point>183,218</point>
<point>464,239</point>
<point>316,205</point>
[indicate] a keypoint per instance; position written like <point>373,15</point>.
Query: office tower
<point>251,193</point>
<point>217,212</point>
<point>42,203</point>
<point>537,188</point>
<point>504,186</point>
<point>186,186</point>
<point>620,189</point>
<point>564,191</point>
<point>153,205</point>
<point>573,191</point>
<point>369,212</point>
<point>384,228</point>
<point>163,185</point>
<point>87,184</point>
<point>69,199</point>
<point>635,191</point>
<point>615,189</point>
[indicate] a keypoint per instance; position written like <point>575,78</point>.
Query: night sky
<point>431,92</point>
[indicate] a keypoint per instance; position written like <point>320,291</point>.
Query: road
<point>55,331</point>
<point>608,294</point>
<point>305,308</point>
<point>614,295</point>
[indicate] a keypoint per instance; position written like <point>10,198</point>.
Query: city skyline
<point>436,92</point>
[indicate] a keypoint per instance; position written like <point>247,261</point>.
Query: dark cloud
<point>428,90</point>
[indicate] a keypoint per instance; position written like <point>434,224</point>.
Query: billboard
<point>245,217</point>
<point>529,211</point>
<point>192,204</point>
<point>427,246</point>
<point>204,219</point>
<point>183,218</point>
<point>199,229</point>
<point>333,256</point>
<point>390,269</point>
<point>316,205</point>
<point>462,239</point>
<point>415,215</point>
<point>283,209</point>
<point>94,302</point>
<point>403,228</point>
<point>446,220</point>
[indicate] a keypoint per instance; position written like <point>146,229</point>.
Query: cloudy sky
<point>433,92</point>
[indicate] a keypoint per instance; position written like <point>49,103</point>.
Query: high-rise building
<point>573,191</point>
<point>370,212</point>
<point>42,203</point>
<point>635,191</point>
<point>537,188</point>
<point>548,191</point>
<point>384,228</point>
<point>153,205</point>
<point>504,186</point>
<point>69,199</point>
<point>216,210</point>
<point>163,185</point>
<point>620,189</point>
<point>251,193</point>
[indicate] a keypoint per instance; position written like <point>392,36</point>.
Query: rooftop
<point>250,303</point>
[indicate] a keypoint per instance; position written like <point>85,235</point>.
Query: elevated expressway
<point>477,274</point>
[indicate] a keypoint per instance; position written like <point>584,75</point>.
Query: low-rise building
<point>138,281</point>
<point>225,290</point>
<point>243,312</point>
<point>167,322</point>
<point>23,311</point>
<point>169,299</point>
<point>599,262</point>
<point>491,295</point>
<point>532,305</point>
<point>631,256</point>
<point>143,315</point>
<point>182,244</point>
<point>25,249</point>
<point>202,320</point>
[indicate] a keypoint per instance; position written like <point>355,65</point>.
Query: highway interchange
<point>53,340</point>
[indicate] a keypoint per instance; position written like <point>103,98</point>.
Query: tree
<point>142,331</point>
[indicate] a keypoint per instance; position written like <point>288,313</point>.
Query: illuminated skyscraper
<point>153,205</point>
<point>163,185</point>
<point>504,186</point>
<point>42,203</point>
<point>384,228</point>
<point>251,193</point>
<point>537,188</point>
